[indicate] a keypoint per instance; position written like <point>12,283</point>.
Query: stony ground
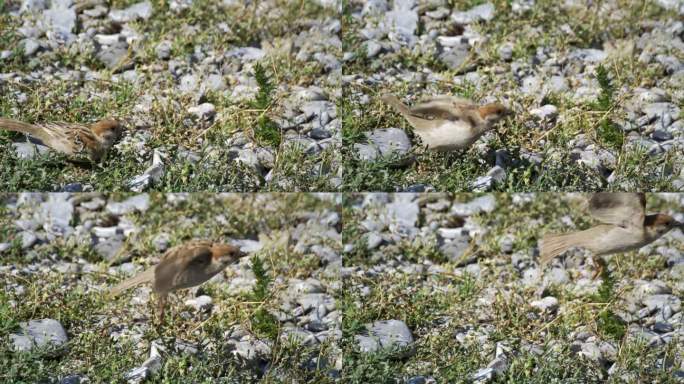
<point>59,254</point>
<point>595,87</point>
<point>444,289</point>
<point>214,95</point>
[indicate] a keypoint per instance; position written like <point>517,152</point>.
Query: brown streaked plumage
<point>448,123</point>
<point>183,266</point>
<point>78,141</point>
<point>624,226</point>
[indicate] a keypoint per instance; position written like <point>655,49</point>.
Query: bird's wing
<point>623,209</point>
<point>454,101</point>
<point>171,274</point>
<point>435,110</point>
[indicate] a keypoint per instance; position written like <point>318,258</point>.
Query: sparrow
<point>625,226</point>
<point>184,266</point>
<point>447,123</point>
<point>75,140</point>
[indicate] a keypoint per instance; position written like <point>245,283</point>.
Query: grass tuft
<point>266,131</point>
<point>263,323</point>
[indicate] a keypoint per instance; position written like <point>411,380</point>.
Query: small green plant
<point>605,99</point>
<point>260,290</point>
<point>610,324</point>
<point>608,132</point>
<point>264,323</point>
<point>607,322</point>
<point>263,97</point>
<point>266,130</point>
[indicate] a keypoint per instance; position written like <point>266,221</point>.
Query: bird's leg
<point>160,307</point>
<point>599,266</point>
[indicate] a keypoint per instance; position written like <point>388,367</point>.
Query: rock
<point>662,327</point>
<point>39,333</point>
<point>72,188</point>
<point>204,111</point>
<point>456,248</point>
<point>248,246</point>
<point>30,46</point>
<point>547,304</point>
<point>161,241</point>
<point>402,216</point>
<point>188,83</point>
<point>366,152</point>
<point>656,110</point>
<point>675,5</point>
<point>137,203</point>
<point>149,367</point>
<point>28,239</point>
<point>113,56</point>
<point>373,240</point>
<point>136,11</point>
<point>57,214</point>
<point>163,50</point>
<point>389,141</point>
<point>655,302</point>
<point>29,150</point>
<point>589,55</point>
<point>4,247</point>
<point>483,12</point>
<point>316,301</point>
<point>179,5</point>
<point>214,82</point>
<point>250,159</point>
<point>33,5</point>
<point>497,173</point>
<point>200,303</point>
<point>109,249</point>
<point>505,51</point>
<point>402,23</point>
<point>251,350</point>
<point>591,351</point>
<point>455,57</point>
<point>373,48</point>
<point>152,175</point>
<point>247,54</point>
<point>546,112</point>
<point>486,203</point>
<point>374,7</point>
<point>74,379</point>
<point>60,22</point>
<point>557,276</point>
<point>384,335</point>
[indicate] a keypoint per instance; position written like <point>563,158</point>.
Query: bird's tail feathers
<point>19,126</point>
<point>554,245</point>
<point>140,278</point>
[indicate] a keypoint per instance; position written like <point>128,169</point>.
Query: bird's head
<point>226,254</point>
<point>659,224</point>
<point>108,130</point>
<point>492,113</point>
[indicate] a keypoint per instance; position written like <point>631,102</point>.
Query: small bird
<point>625,226</point>
<point>447,123</point>
<point>76,140</point>
<point>184,266</point>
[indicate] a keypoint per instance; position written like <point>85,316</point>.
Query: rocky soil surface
<point>60,253</point>
<point>182,76</point>
<point>443,289</point>
<point>596,90</point>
